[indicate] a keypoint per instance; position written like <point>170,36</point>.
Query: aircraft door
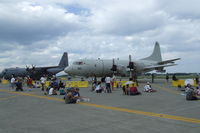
<point>99,67</point>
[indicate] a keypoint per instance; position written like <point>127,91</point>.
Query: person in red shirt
<point>134,91</point>
<point>29,83</point>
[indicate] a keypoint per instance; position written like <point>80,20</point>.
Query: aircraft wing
<point>159,66</point>
<point>168,61</point>
<point>48,67</point>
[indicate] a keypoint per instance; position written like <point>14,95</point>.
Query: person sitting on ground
<point>190,94</point>
<point>187,87</point>
<point>62,91</point>
<point>78,97</point>
<point>133,90</point>
<point>52,91</point>
<point>68,90</point>
<point>148,88</point>
<point>98,88</point>
<point>69,98</point>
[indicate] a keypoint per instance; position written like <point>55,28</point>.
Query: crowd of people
<point>55,87</point>
<point>105,85</point>
<point>18,83</point>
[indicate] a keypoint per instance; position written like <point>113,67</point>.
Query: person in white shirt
<point>12,82</point>
<point>108,81</point>
<point>98,88</point>
<point>42,81</point>
<point>51,91</point>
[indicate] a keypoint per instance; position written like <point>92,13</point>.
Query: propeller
<point>33,67</point>
<point>27,68</point>
<point>132,68</point>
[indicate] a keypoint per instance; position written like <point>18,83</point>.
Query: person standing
<point>30,83</point>
<point>12,82</point>
<point>152,77</point>
<point>42,81</point>
<point>167,77</point>
<point>174,77</point>
<point>108,86</point>
<point>113,80</point>
<point>197,80</point>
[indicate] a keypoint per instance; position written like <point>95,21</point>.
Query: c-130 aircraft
<point>103,67</point>
<point>36,72</point>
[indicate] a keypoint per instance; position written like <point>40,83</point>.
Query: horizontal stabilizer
<point>158,66</point>
<point>168,61</point>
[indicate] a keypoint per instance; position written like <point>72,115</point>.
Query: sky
<point>39,31</point>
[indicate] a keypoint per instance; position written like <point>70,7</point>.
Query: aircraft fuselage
<point>101,67</point>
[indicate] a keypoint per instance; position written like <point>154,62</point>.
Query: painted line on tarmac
<point>32,95</point>
<point>172,117</point>
<point>178,118</point>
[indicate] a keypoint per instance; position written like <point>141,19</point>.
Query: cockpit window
<point>78,63</point>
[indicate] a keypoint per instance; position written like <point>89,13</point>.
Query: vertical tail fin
<point>64,60</point>
<point>156,55</point>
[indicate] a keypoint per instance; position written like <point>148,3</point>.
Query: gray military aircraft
<point>100,67</point>
<point>36,72</point>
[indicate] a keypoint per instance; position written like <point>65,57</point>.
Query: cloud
<point>38,32</point>
<point>125,18</point>
<point>28,22</point>
<point>181,9</point>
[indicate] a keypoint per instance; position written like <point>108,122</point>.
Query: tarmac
<point>161,112</point>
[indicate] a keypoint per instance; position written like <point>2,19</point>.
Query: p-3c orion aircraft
<point>36,72</point>
<point>103,67</point>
